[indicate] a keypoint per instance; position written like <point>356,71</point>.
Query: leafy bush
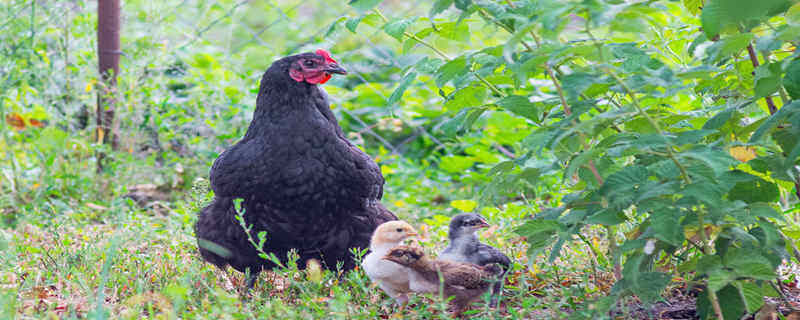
<point>676,126</point>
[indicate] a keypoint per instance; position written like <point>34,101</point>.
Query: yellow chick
<point>390,276</point>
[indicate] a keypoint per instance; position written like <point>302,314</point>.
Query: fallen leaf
<point>15,120</point>
<point>36,123</point>
<point>742,153</point>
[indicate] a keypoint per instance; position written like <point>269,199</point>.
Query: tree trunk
<point>108,52</point>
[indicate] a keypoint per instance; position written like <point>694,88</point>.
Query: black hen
<point>300,179</point>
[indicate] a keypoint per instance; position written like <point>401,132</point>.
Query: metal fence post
<point>108,52</point>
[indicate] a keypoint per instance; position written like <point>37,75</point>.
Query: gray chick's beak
<point>335,68</point>
<point>483,224</point>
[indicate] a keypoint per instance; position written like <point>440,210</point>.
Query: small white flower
<point>650,246</point>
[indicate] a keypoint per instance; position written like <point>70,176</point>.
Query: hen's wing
<point>300,159</point>
<point>236,172</point>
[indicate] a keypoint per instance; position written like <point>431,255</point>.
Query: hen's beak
<point>335,68</point>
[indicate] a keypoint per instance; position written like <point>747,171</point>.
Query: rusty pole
<point>108,52</point>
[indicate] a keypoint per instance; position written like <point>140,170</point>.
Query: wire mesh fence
<point>205,45</point>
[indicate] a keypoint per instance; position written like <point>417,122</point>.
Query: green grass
<point>142,263</point>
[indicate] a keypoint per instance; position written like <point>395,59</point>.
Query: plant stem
<point>712,295</point>
<point>670,152</point>
<point>612,248</point>
<point>754,59</point>
<point>443,55</point>
<point>635,101</point>
<point>594,255</point>
<point>770,104</point>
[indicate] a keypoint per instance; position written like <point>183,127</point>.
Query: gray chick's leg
<point>497,291</point>
<point>251,280</point>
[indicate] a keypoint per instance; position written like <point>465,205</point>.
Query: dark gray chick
<point>466,247</point>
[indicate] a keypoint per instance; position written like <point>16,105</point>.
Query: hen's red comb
<point>326,55</point>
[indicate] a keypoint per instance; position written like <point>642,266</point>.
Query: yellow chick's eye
<point>399,229</point>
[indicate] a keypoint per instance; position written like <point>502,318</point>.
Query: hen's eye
<point>308,63</point>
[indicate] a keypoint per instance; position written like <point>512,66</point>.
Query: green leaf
<point>579,161</point>
<point>576,83</point>
<point>456,164</point>
<point>793,14</point>
<point>519,105</point>
<point>730,45</point>
<point>463,120</point>
<point>749,263</point>
<point>773,120</point>
<point>722,117</point>
<point>625,179</point>
<point>472,96</point>
<point>396,28</point>
<point>464,205</point>
<point>791,80</point>
<point>364,5</point>
<point>450,70</point>
<point>519,34</point>
<point>556,251</point>
<point>634,58</point>
<point>767,86</point>
<point>768,79</point>
<point>693,136</point>
<point>729,298</point>
<point>792,156</point>
<point>352,23</point>
<point>752,295</point>
<point>439,6</point>
<point>428,66</point>
<point>719,278</point>
<point>707,264</point>
<point>717,160</point>
<point>667,227</point>
<point>536,226</point>
<point>765,210</point>
<point>694,6</point>
<point>607,218</point>
<point>454,31</point>
<point>501,168</point>
<point>711,19</point>
<point>401,88</point>
<point>333,26</point>
<point>538,233</point>
<point>756,190</point>
<point>463,4</point>
<point>709,193</point>
<point>649,285</point>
